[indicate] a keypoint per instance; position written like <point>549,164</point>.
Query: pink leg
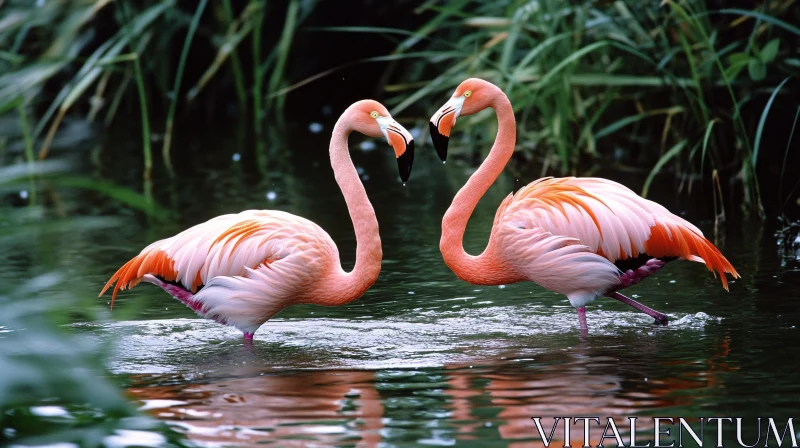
<point>659,317</point>
<point>185,297</point>
<point>179,293</point>
<point>631,277</point>
<point>582,319</point>
<point>248,336</point>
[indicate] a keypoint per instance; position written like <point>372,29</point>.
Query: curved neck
<point>345,287</point>
<point>478,269</point>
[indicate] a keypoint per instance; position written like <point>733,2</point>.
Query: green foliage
<point>53,387</point>
<point>659,82</point>
<point>95,74</point>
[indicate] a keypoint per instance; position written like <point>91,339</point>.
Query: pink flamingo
<point>581,237</point>
<point>242,269</point>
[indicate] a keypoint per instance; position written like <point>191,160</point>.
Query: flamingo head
<point>372,119</point>
<point>471,96</point>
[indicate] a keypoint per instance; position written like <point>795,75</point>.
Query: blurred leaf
<point>53,389</point>
<point>763,120</point>
<point>674,151</point>
<point>760,16</point>
<point>619,124</point>
<point>757,69</point>
<point>706,138</point>
<point>739,58</point>
<point>770,50</point>
<point>733,70</point>
<point>15,173</point>
<point>119,193</point>
<point>569,60</point>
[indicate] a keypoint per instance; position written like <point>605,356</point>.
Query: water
<point>422,358</point>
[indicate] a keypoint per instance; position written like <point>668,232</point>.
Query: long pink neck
<point>481,269</point>
<point>343,287</point>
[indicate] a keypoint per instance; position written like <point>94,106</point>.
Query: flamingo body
<point>242,269</point>
<point>571,235</point>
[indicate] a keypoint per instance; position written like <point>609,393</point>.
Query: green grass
<point>666,84</point>
<point>173,103</point>
<point>670,87</point>
<point>56,42</point>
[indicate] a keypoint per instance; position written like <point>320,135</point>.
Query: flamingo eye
<point>373,114</point>
<point>467,94</point>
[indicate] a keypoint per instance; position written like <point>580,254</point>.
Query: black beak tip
<point>439,142</point>
<point>405,161</point>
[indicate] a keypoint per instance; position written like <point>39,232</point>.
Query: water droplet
<point>444,161</point>
<point>404,184</point>
<point>415,132</point>
<point>672,281</point>
<point>49,411</point>
<point>237,157</point>
<point>327,110</point>
<point>23,194</point>
<point>502,286</point>
<point>271,195</point>
<point>367,145</point>
<point>365,177</point>
<point>411,293</point>
<point>359,170</point>
<point>315,128</point>
<point>645,379</point>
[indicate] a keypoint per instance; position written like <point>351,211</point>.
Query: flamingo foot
<point>582,320</point>
<point>248,336</point>
<point>660,318</point>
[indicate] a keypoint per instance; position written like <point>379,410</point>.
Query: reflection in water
<point>327,407</point>
<point>438,406</point>
<point>576,384</point>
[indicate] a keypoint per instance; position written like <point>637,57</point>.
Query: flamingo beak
<point>402,142</point>
<point>442,123</point>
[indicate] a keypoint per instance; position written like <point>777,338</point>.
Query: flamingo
<point>580,237</point>
<point>242,269</point>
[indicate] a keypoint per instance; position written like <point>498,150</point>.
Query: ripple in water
<point>429,338</point>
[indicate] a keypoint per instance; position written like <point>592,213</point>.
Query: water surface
<point>423,358</point>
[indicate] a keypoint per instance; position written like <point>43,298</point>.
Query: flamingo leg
<point>247,342</point>
<point>582,319</point>
<point>186,298</point>
<point>660,318</point>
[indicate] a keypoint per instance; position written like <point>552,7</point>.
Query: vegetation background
<point>700,97</point>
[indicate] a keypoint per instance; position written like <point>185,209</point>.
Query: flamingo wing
<point>242,268</point>
<point>611,221</point>
<point>559,263</point>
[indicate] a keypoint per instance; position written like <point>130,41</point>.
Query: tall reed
<point>613,82</point>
